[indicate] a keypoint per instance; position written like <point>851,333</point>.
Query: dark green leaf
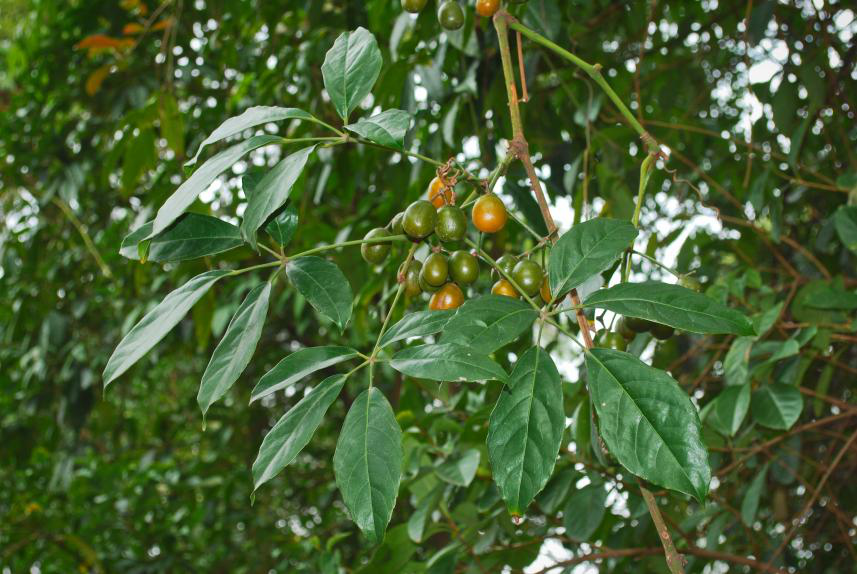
<point>282,228</point>
<point>368,462</point>
<point>417,324</point>
<point>671,305</point>
<point>777,406</point>
<point>845,220</point>
<point>750,503</point>
<point>271,193</point>
<point>461,469</point>
<point>426,505</point>
<point>187,192</point>
<point>487,323</point>
<point>585,511</point>
<point>235,350</point>
<point>525,429</point>
<point>648,422</point>
<point>193,235</point>
<point>157,323</point>
<point>299,365</point>
<point>324,286</point>
<point>589,248</point>
<point>387,128</point>
<point>729,409</point>
<point>557,489</point>
<point>251,117</point>
<point>350,69</point>
<point>446,362</point>
<point>294,430</point>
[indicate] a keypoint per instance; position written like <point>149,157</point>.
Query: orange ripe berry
<point>438,194</point>
<point>447,297</point>
<point>489,214</point>
<point>487,8</point>
<point>504,288</point>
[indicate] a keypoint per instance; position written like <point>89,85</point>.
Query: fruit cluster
<point>450,15</point>
<point>444,275</point>
<point>627,328</point>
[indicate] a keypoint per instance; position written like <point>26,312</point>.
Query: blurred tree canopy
<point>102,103</point>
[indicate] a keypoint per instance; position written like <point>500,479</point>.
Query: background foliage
<point>102,102</point>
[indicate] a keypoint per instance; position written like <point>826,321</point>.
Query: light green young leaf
<point>350,69</point>
<point>251,117</point>
<point>193,235</point>
<point>236,348</point>
<point>157,323</point>
<point>777,406</point>
<point>648,422</point>
<point>368,462</point>
<point>671,305</point>
<point>446,362</point>
<point>271,193</point>
<point>187,192</point>
<point>736,364</point>
<point>417,324</point>
<point>487,323</point>
<point>299,365</point>
<point>588,248</point>
<point>584,512</point>
<point>324,286</point>
<point>525,429</point>
<point>387,128</point>
<point>294,430</point>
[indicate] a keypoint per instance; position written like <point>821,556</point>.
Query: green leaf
<point>557,489</point>
<point>461,470</point>
<point>251,117</point>
<point>157,323</point>
<point>589,248</point>
<point>294,430</point>
<point>729,409</point>
<point>736,364</point>
<point>750,503</point>
<point>140,155</point>
<point>671,305</point>
<point>193,235</point>
<point>188,191</point>
<point>584,512</point>
<point>387,128</point>
<point>525,429</point>
<point>324,286</point>
<point>417,324</point>
<point>172,123</point>
<point>350,69</point>
<point>271,193</point>
<point>648,422</point>
<point>777,406</point>
<point>236,348</point>
<point>426,505</point>
<point>446,362</point>
<point>299,365</point>
<point>368,462</point>
<point>487,323</point>
<point>282,228</point>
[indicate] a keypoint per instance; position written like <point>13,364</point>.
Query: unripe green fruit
<point>528,275</point>
<point>623,329</point>
<point>425,286</point>
<point>413,6</point>
<point>507,263</point>
<point>396,224</point>
<point>450,15</point>
<point>662,332</point>
<point>463,267</point>
<point>412,278</point>
<point>451,223</point>
<point>419,219</point>
<point>638,325</point>
<point>375,253</point>
<point>435,270</point>
<point>611,340</point>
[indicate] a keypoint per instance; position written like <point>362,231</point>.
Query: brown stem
<point>674,560</point>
